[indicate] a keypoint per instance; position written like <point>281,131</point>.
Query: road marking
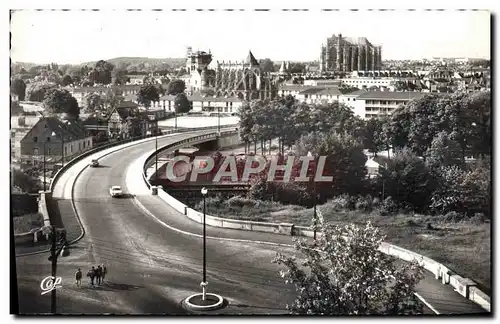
<point>426,303</point>
<point>148,213</point>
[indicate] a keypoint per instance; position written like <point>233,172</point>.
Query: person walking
<point>99,274</point>
<point>104,272</point>
<point>91,275</point>
<point>78,277</point>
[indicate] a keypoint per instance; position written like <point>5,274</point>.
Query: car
<point>115,191</point>
<point>94,163</point>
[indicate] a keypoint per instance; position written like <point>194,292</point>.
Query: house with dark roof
<point>127,116</point>
<point>55,139</point>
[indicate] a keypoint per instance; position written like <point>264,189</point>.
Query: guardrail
<point>464,286</point>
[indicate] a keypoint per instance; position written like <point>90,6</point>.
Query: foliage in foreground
<point>344,273</point>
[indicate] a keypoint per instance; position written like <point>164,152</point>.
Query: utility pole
<point>54,270</point>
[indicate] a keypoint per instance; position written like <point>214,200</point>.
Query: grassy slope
<point>463,246</point>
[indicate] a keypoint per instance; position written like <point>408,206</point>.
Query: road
<point>152,267</point>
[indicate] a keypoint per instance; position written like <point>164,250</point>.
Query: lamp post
<point>156,154</point>
<point>314,198</point>
<point>218,119</point>
<point>204,192</point>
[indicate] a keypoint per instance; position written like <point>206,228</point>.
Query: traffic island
<point>197,303</point>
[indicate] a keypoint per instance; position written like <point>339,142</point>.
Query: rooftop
<point>390,95</point>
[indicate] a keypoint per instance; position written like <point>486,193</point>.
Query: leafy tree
<point>408,180</point>
<point>176,87</point>
<point>66,80</point>
<point>245,123</point>
<point>133,127</point>
<point>36,91</point>
<point>373,139</point>
<point>18,87</point>
<point>101,73</point>
<point>266,65</point>
<point>23,181</point>
<point>147,94</point>
<point>59,101</point>
<point>345,161</point>
<point>93,103</point>
<point>444,151</point>
<point>344,273</point>
<point>120,76</point>
<point>182,103</point>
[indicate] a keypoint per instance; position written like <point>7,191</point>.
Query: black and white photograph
<point>293,162</point>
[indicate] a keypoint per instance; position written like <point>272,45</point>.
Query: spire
<point>251,59</point>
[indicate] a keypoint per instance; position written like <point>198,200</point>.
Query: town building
<point>127,120</point>
<point>80,93</point>
<point>241,79</point>
<point>346,54</point>
<point>377,103</point>
<point>56,140</point>
<point>202,103</point>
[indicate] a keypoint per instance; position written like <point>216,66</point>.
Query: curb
<point>217,305</point>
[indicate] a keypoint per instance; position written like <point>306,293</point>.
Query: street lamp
<point>204,192</point>
<point>314,198</point>
<point>218,119</point>
<point>156,154</point>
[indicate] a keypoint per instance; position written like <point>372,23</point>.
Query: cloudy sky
<point>79,36</point>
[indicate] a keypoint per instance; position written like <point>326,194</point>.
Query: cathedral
<point>347,54</point>
<point>242,79</point>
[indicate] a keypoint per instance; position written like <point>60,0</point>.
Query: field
<point>464,246</point>
<point>198,121</point>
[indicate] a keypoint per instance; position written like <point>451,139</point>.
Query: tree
<point>266,65</point>
<point>147,94</point>
<point>345,161</point>
<point>102,72</point>
<point>60,101</point>
<point>36,91</point>
<point>182,103</point>
<point>120,76</point>
<point>408,180</point>
<point>176,87</point>
<point>373,139</point>
<point>66,80</point>
<point>444,151</point>
<point>344,273</point>
<point>18,87</point>
<point>23,181</point>
<point>93,103</point>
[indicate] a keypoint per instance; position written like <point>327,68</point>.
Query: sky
<point>72,37</point>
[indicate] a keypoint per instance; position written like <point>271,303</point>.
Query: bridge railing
<point>189,140</point>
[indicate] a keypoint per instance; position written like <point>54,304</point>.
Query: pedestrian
<point>78,277</point>
<point>96,275</point>
<point>99,274</point>
<point>104,272</point>
<point>91,275</point>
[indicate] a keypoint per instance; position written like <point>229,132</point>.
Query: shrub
<point>241,202</point>
<point>388,207</point>
<point>453,216</point>
<point>364,203</point>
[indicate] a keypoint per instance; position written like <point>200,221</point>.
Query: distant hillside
<point>173,62</point>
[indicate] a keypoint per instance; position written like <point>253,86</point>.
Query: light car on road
<point>94,163</point>
<point>115,191</point>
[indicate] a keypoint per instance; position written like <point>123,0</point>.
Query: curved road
<point>152,267</point>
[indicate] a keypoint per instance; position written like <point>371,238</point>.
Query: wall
<point>229,140</point>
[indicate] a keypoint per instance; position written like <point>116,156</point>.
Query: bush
<point>364,203</point>
<point>342,203</point>
<point>453,216</point>
<point>388,207</point>
<point>241,202</point>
